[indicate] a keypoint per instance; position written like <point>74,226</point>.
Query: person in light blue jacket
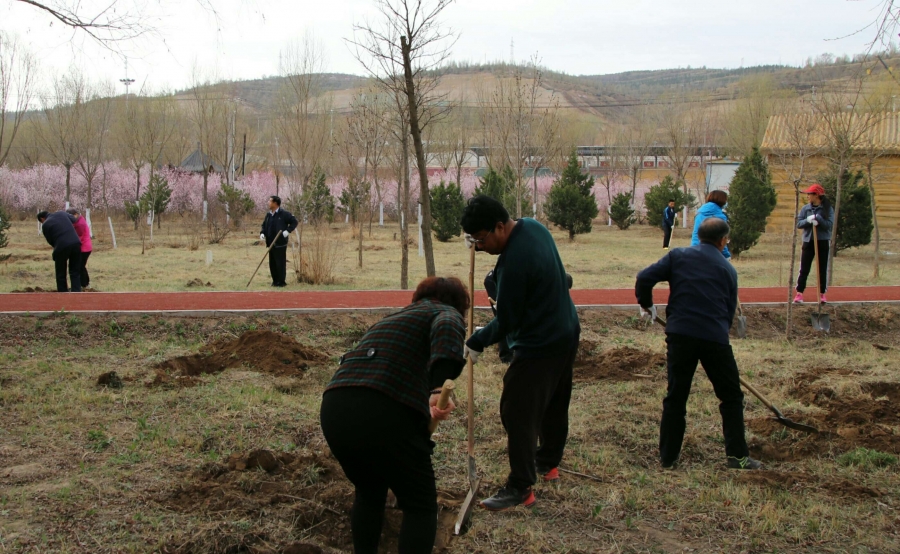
<point>715,201</point>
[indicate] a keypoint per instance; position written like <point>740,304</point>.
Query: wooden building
<point>789,138</point>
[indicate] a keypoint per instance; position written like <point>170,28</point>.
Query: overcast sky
<point>574,36</point>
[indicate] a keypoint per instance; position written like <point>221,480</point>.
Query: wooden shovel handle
<point>443,400</point>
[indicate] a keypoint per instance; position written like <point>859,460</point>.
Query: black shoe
<point>670,465</point>
<point>743,463</point>
<point>509,497</point>
<point>280,285</point>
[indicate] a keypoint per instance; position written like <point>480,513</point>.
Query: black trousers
<point>718,361</point>
<point>534,406</point>
<point>85,278</point>
<point>807,255</point>
<point>68,260</point>
<point>382,444</point>
<point>667,235</point>
<point>278,264</point>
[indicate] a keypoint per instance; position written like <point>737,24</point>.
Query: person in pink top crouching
<point>84,233</point>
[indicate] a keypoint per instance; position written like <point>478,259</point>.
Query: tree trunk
<point>790,287</point>
<point>416,131</point>
<point>403,201</point>
<point>68,185</point>
<point>205,197</point>
<point>876,264</point>
<point>834,226</point>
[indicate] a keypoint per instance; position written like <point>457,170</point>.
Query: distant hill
<point>602,97</point>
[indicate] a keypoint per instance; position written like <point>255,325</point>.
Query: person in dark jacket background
<point>537,318</point>
<point>817,213</point>
<point>59,230</point>
<point>376,411</point>
<point>703,290</point>
<point>277,226</point>
<point>668,223</point>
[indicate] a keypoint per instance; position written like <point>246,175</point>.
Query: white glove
<point>648,315</point>
<point>470,242</point>
<point>470,354</point>
<point>262,237</point>
<point>812,220</point>
<point>815,222</point>
<point>285,234</point>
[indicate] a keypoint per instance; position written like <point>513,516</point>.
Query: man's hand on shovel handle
<point>438,413</point>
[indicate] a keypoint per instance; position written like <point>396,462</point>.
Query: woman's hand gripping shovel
<point>779,417</point>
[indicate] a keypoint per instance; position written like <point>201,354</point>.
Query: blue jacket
<point>710,209</point>
<point>825,225</point>
<point>668,217</point>
<point>703,290</point>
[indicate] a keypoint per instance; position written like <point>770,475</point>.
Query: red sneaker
<point>552,475</point>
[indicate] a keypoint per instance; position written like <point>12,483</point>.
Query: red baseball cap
<point>815,189</point>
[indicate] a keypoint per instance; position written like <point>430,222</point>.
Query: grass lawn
<point>234,461</point>
<point>606,258</point>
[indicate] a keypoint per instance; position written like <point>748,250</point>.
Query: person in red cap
<point>817,213</point>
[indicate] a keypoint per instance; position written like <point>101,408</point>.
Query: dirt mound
<point>198,283</point>
<point>620,364</point>
<point>844,424</point>
<point>300,492</point>
<point>800,482</point>
<point>33,289</point>
<point>263,351</point>
<point>110,380</point>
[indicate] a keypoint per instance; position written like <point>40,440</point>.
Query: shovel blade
<point>821,322</point>
<point>741,327</point>
<point>798,426</point>
<point>465,512</point>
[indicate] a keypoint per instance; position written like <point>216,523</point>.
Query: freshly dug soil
<point>619,364</point>
<point>310,491</point>
<point>800,482</point>
<point>198,283</point>
<point>33,289</point>
<point>263,351</point>
<point>845,424</point>
<point>110,379</point>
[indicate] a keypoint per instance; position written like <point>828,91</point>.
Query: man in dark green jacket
<point>536,316</point>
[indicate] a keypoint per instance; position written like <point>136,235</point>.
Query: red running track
<point>349,300</point>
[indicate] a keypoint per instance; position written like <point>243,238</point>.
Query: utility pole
<point>126,81</point>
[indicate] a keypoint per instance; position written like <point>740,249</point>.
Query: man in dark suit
<point>59,230</point>
<point>277,226</point>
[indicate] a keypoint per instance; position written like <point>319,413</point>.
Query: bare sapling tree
<point>794,139</point>
<point>398,159</point>
<point>635,141</point>
<point>525,123</point>
<point>303,115</point>
<point>208,113</point>
<point>744,124</point>
<point>681,123</point>
<point>846,118</point>
<point>63,110</point>
<point>403,52</point>
<point>93,139</point>
<point>18,70</point>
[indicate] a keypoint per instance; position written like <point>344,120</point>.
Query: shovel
<point>779,417</point>
<point>262,260</point>
<point>465,512</point>
<point>820,321</point>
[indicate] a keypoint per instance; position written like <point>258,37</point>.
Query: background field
<point>605,258</point>
<point>170,463</point>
